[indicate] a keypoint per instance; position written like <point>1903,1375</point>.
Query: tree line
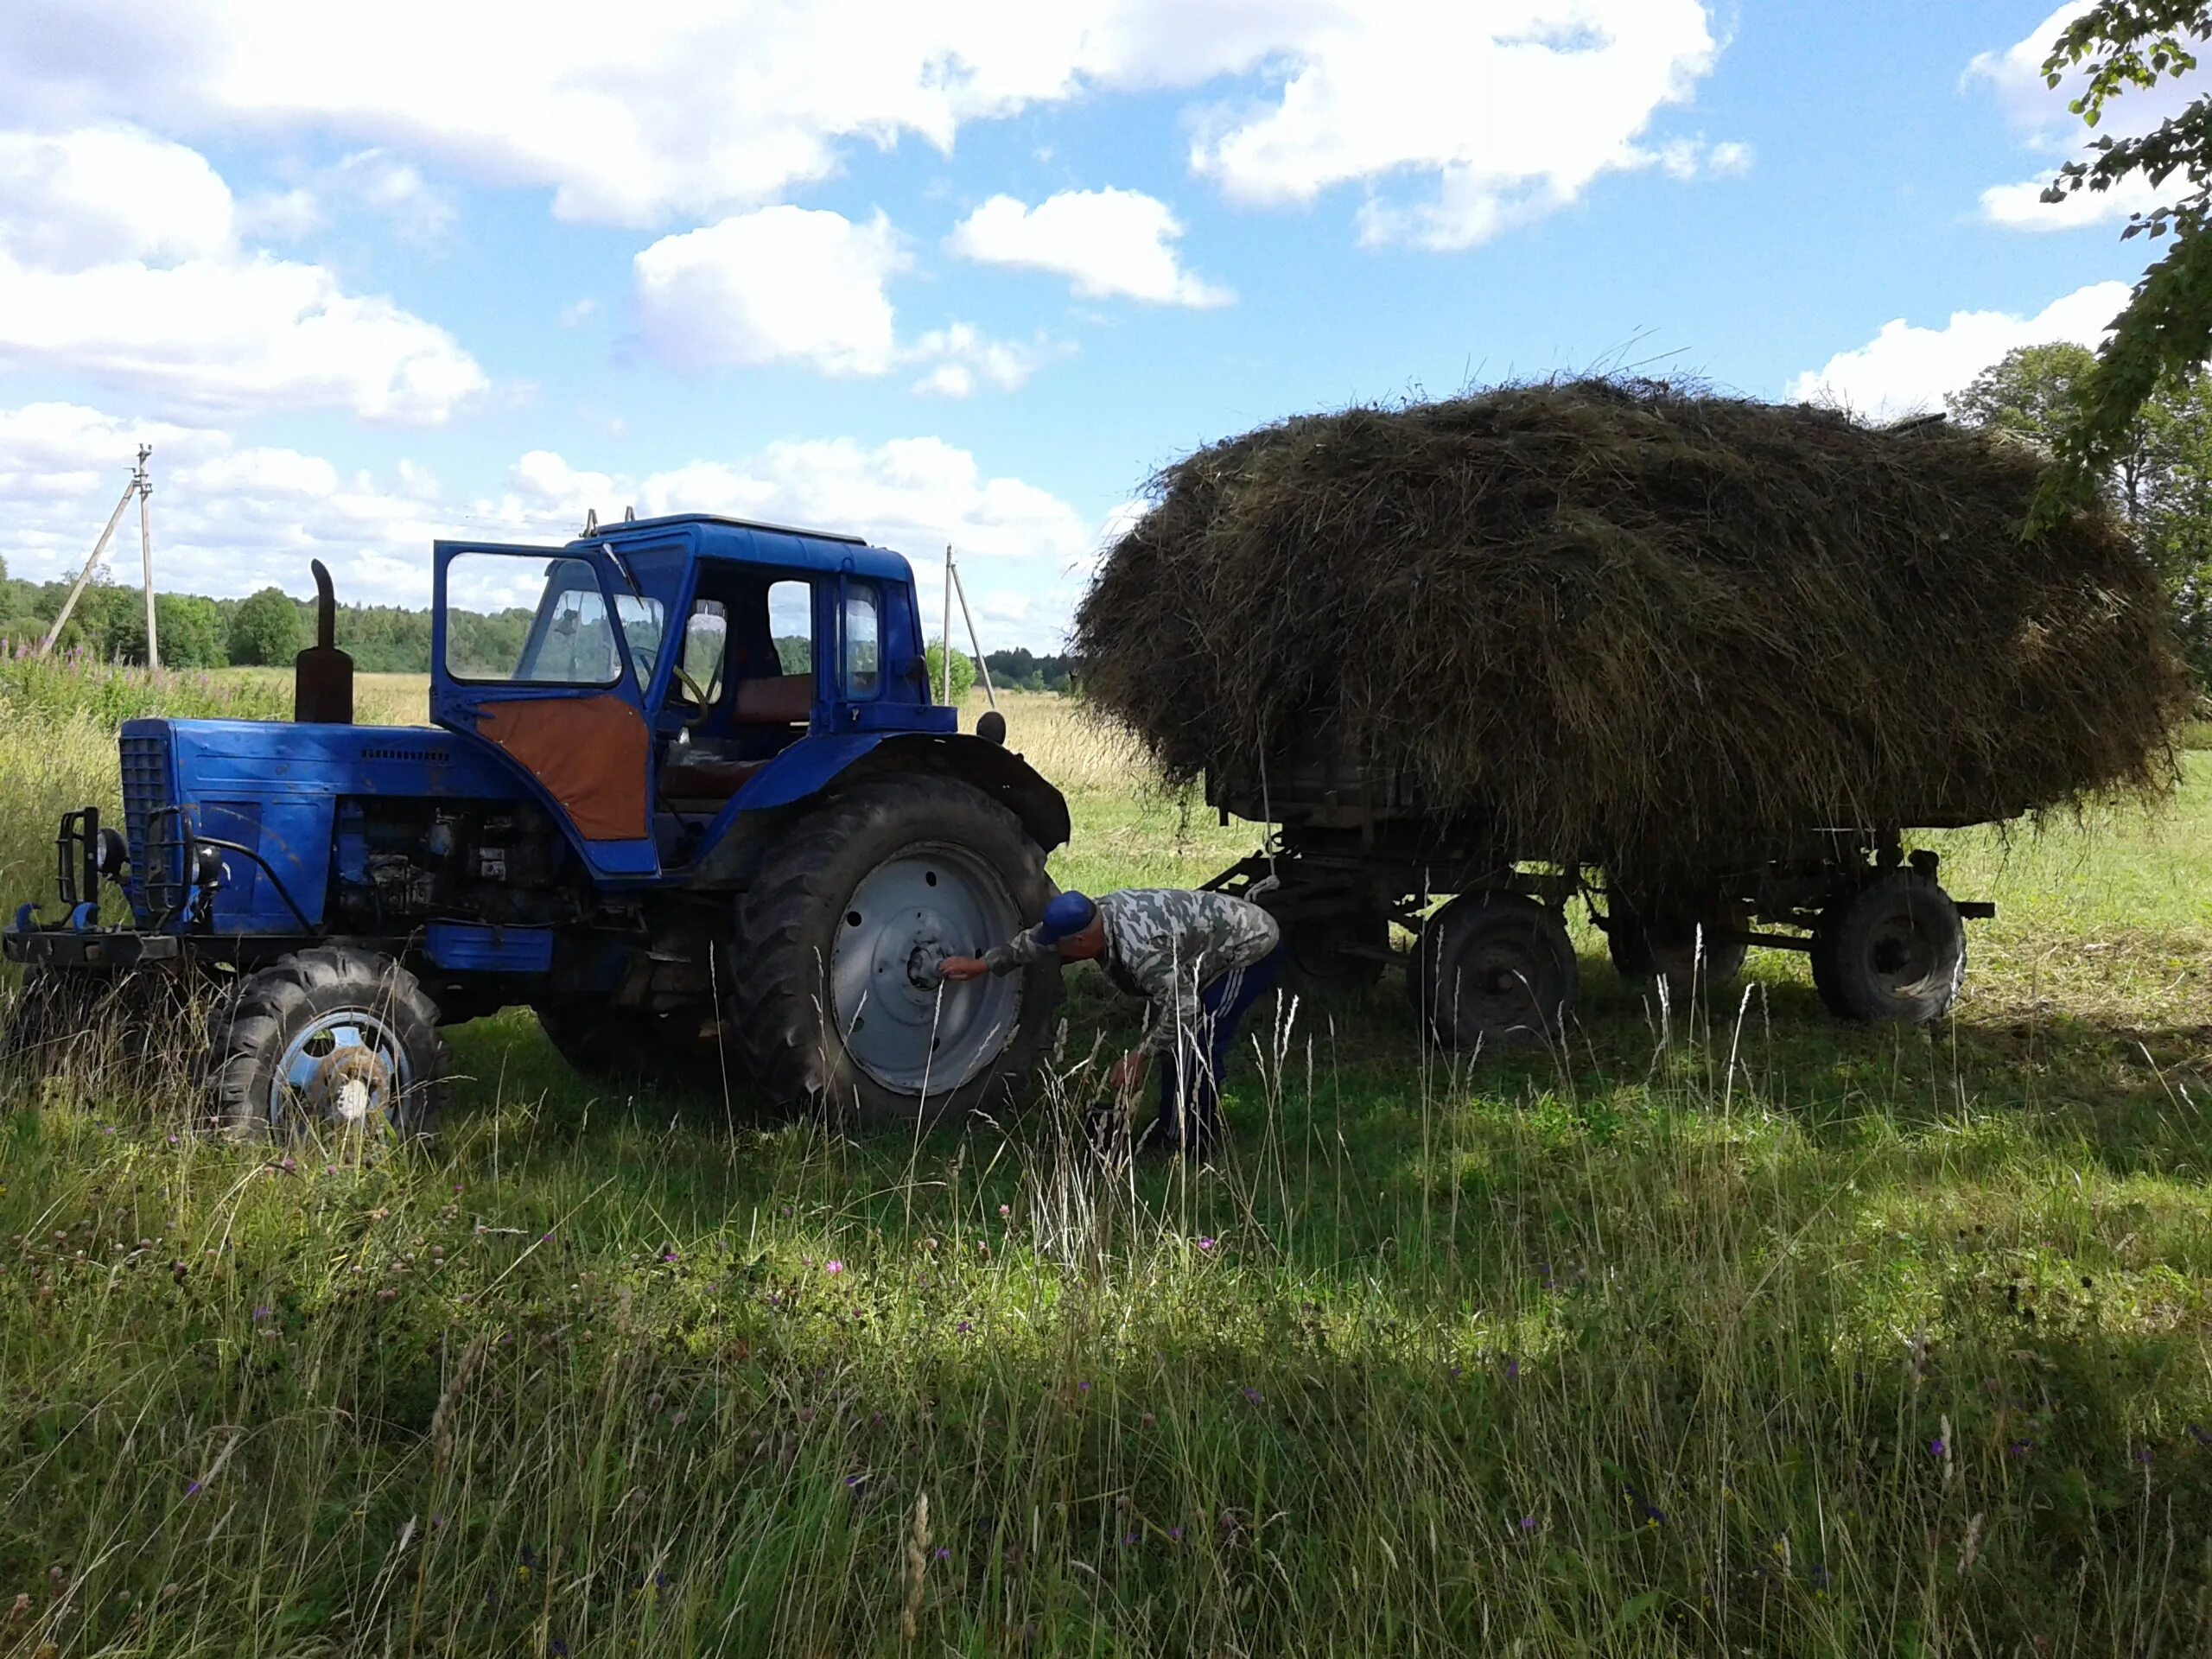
<point>268,629</point>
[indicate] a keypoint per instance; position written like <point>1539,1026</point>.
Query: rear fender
<point>812,766</point>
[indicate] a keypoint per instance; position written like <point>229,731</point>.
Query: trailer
<point>1351,853</point>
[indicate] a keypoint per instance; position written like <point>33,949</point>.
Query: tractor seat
<point>705,779</point>
<point>774,700</point>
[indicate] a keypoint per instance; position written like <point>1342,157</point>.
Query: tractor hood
<point>273,788</point>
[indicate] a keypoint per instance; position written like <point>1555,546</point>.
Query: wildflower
<point>288,1165</point>
<point>1083,1388</point>
<point>833,1266</point>
<point>2020,1448</point>
<point>1937,1448</point>
<point>1147,1422</point>
<point>1205,1244</point>
<point>944,1552</point>
<point>1005,1211</point>
<point>1817,1576</point>
<point>1527,1523</point>
<point>1251,1396</point>
<point>2143,1455</point>
<point>192,1490</point>
<point>1512,1368</point>
<point>259,1315</point>
<point>1128,1538</point>
<point>963,1327</point>
<point>172,1140</point>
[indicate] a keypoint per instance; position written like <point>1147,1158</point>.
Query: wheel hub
<point>345,1069</point>
<point>899,1021</point>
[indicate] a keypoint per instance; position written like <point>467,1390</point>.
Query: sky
<point>965,273</point>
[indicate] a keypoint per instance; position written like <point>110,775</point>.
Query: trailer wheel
<point>1492,969</point>
<point>632,1046</point>
<point>327,1040</point>
<point>833,993</point>
<point>1896,949</point>
<point>1676,944</point>
<point>1337,956</point>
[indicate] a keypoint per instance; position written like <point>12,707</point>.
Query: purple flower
<point>1175,1532</point>
<point>1527,1523</point>
<point>1205,1243</point>
<point>1251,1396</point>
<point>833,1266</point>
<point>2020,1448</point>
<point>1512,1368</point>
<point>259,1315</point>
<point>1936,1448</point>
<point>1083,1388</point>
<point>192,1490</point>
<point>962,1328</point>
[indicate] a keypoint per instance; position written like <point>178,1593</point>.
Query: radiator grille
<point>145,789</point>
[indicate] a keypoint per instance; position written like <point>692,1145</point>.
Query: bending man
<point>1200,959</point>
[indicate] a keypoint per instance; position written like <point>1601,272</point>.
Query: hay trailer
<point>1351,852</point>
<point>687,797</point>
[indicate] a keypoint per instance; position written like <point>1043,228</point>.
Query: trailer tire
<point>839,929</point>
<point>1893,951</point>
<point>1662,941</point>
<point>632,1046</point>
<point>1492,970</point>
<point>324,1039</point>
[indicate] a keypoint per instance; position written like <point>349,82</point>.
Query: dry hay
<point>1627,624</point>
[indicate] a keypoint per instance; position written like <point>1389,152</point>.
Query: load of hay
<point>1621,623</point>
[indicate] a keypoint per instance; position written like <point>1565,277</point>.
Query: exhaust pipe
<point>322,675</point>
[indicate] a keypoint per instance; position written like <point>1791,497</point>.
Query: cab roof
<point>745,541</point>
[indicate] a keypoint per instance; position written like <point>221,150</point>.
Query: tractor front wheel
<point>327,1040</point>
<point>835,994</point>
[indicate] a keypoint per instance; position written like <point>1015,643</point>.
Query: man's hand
<point>1128,1074</point>
<point>958,970</point>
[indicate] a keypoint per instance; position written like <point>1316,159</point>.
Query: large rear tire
<point>325,1040</point>
<point>1894,950</point>
<point>834,998</point>
<point>1492,971</point>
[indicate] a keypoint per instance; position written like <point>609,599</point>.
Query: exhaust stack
<point>322,675</point>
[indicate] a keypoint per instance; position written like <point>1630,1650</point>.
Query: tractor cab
<point>648,678</point>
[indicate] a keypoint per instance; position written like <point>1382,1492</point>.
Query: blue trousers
<point>1190,1087</point>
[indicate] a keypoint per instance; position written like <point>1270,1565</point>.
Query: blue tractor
<point>685,796</point>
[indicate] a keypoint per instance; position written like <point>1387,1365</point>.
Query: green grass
<point>1720,1330</point>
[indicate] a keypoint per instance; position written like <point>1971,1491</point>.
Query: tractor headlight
<point>112,853</point>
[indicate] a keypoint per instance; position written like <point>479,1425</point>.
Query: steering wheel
<point>697,695</point>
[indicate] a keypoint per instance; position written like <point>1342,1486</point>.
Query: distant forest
<point>109,623</point>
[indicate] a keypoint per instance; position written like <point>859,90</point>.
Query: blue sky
<point>968,272</point>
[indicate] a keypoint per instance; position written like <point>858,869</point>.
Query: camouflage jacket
<point>1165,944</point>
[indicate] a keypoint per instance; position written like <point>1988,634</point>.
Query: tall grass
<point>1717,1329</point>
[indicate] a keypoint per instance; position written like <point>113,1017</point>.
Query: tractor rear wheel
<point>1493,970</point>
<point>634,1046</point>
<point>1895,949</point>
<point>834,997</point>
<point>327,1040</point>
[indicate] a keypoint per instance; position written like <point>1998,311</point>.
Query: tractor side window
<point>790,624</point>
<point>863,643</point>
<point>706,646</point>
<point>525,617</point>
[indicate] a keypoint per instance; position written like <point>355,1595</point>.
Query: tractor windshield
<point>498,629</point>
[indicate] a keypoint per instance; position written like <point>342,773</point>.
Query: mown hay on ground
<point>1624,623</point>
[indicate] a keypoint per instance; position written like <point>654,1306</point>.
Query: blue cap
<point>1066,915</point>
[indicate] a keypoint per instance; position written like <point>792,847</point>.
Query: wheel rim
<point>1499,984</point>
<point>347,1068</point>
<point>898,1024</point>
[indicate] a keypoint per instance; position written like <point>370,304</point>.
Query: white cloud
<point>2021,207</point>
<point>1514,114</point>
<point>233,335</point>
<point>119,262</point>
<point>640,116</point>
<point>578,312</point>
<point>1905,370</point>
<point>395,189</point>
<point>784,285</point>
<point>2038,116</point>
<point>1109,242</point>
<point>105,195</point>
<point>797,285</point>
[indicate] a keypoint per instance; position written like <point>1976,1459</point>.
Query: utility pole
<point>144,485</point>
<point>945,638</point>
<point>137,482</point>
<point>974,644</point>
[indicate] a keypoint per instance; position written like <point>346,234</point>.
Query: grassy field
<point>1720,1330</point>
